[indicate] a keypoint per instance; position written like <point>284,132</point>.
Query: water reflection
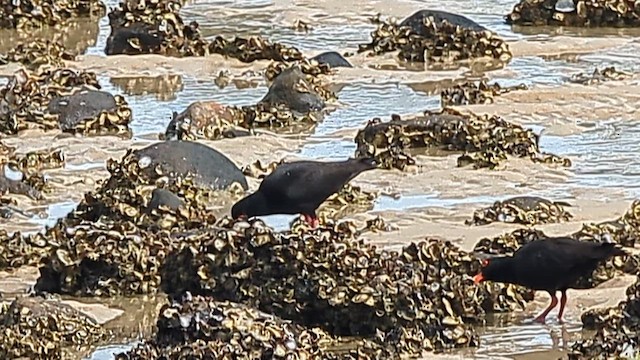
<point>164,87</point>
<point>76,36</point>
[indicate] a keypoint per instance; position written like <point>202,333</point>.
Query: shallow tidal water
<point>604,151</point>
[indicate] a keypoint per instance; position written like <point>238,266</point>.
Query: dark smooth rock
<point>83,105</point>
<point>164,197</point>
<point>333,59</point>
<point>284,90</point>
<point>121,38</point>
<point>209,167</point>
<point>416,20</point>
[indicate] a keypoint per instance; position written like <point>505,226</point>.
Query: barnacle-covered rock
<point>625,230</point>
<point>291,88</point>
<point>581,13</point>
<point>26,14</point>
<point>156,27</point>
<point>153,27</point>
<point>326,277</point>
<point>616,328</point>
<point>486,140</point>
<point>117,238</point>
<point>202,327</point>
<point>528,210</point>
<point>22,175</point>
<point>91,111</point>
<point>293,79</point>
<point>36,328</point>
<point>34,54</point>
<point>437,37</point>
<point>471,92</point>
<point>164,87</point>
<point>599,76</point>
<point>292,101</point>
<point>55,99</point>
<point>209,167</point>
<point>225,328</point>
<point>254,48</point>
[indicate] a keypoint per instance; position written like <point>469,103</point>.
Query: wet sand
<point>435,197</point>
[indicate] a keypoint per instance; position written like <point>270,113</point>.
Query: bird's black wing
<point>306,181</point>
<point>543,263</point>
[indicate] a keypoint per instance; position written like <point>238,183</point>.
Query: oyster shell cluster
<point>201,328</point>
<point>37,328</point>
<point>24,14</point>
<point>436,41</point>
<point>117,238</point>
<point>156,27</point>
<point>42,99</point>
<point>528,210</point>
<point>584,13</point>
<point>36,53</point>
<point>312,70</point>
<point>616,329</point>
<point>472,92</point>
<point>486,140</point>
<point>31,182</point>
<point>419,298</point>
<point>599,76</point>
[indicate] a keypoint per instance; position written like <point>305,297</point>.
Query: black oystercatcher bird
<point>300,187</point>
<point>549,264</point>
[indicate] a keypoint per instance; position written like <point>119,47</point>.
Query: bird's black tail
<point>368,162</point>
<point>612,249</point>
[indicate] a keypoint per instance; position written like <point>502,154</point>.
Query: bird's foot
<point>313,222</point>
<point>540,319</point>
<point>560,321</point>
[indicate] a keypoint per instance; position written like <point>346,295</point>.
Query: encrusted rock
<point>57,99</point>
<point>579,13</point>
<point>486,140</point>
<point>437,37</point>
<point>36,328</point>
<point>326,277</point>
<point>26,14</point>
<point>528,210</point>
<point>471,92</point>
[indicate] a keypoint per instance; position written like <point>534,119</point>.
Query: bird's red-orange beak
<point>478,278</point>
<point>242,217</point>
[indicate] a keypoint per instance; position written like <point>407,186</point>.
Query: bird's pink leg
<point>541,318</point>
<point>563,302</point>
<point>313,221</point>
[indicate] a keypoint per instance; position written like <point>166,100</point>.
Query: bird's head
<point>495,269</point>
<point>250,206</point>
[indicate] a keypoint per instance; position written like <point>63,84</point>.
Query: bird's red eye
<point>485,262</point>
